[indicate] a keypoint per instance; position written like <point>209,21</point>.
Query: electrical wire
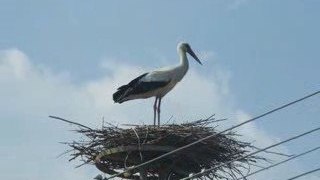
<point>250,154</point>
<point>304,174</point>
<point>279,163</point>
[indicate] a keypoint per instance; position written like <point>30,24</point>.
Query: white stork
<point>156,83</point>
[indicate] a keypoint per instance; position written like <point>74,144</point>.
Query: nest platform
<point>113,149</point>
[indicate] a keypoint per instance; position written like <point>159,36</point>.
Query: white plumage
<point>156,83</point>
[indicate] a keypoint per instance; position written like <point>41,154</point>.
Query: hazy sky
<point>66,58</point>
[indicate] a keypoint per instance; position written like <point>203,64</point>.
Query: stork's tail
<point>119,96</point>
<point>124,91</point>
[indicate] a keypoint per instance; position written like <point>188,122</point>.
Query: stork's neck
<point>183,66</point>
<point>183,59</point>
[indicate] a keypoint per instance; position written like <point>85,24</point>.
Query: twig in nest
<point>71,122</point>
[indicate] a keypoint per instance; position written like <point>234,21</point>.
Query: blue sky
<point>257,55</point>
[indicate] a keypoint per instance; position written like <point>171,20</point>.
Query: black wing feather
<point>132,82</point>
<point>136,87</point>
<point>144,87</point>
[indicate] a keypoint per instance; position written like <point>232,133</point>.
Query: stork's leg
<point>159,111</point>
<point>155,111</point>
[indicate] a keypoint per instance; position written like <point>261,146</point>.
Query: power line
<point>279,163</point>
<point>213,135</point>
<point>303,174</point>
<point>250,154</point>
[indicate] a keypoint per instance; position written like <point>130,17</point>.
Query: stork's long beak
<point>190,51</point>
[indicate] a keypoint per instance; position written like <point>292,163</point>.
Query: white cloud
<point>29,93</point>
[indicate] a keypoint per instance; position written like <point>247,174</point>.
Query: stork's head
<point>185,47</point>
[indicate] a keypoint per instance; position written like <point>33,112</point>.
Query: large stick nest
<point>113,149</point>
